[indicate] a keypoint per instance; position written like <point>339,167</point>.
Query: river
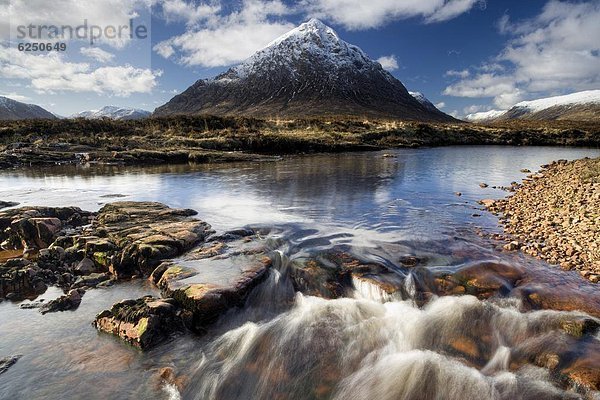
<point>284,345</point>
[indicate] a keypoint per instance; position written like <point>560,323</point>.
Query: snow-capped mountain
<point>14,110</point>
<point>580,106</point>
<point>307,72</point>
<point>113,112</point>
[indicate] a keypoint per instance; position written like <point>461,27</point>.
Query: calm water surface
<point>283,345</point>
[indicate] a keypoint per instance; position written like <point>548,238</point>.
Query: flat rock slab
<point>216,277</point>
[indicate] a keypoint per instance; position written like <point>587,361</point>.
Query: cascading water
<point>374,346</point>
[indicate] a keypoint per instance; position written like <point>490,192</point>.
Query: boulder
<point>143,323</point>
<point>70,301</point>
<point>85,267</point>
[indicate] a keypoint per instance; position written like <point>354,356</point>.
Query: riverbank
<point>554,215</point>
<point>201,139</point>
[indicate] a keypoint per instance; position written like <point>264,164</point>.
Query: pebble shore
<point>554,215</point>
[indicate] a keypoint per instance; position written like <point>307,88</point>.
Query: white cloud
<point>228,39</point>
<point>72,13</point>
<point>461,74</point>
<point>389,63</point>
<point>16,96</point>
<point>180,10</point>
<point>360,14</point>
<point>51,73</point>
<point>97,54</point>
<point>440,105</point>
<point>557,51</point>
<point>475,108</point>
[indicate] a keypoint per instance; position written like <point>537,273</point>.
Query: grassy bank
<point>206,138</point>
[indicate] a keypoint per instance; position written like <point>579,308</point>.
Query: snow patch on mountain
<point>586,97</point>
<point>113,112</point>
<point>485,115</point>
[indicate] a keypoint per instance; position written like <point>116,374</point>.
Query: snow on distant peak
<point>485,115</point>
<point>586,97</point>
<point>113,112</point>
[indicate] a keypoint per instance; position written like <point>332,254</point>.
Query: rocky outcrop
<point>553,215</point>
<point>76,249</point>
<point>142,323</point>
<point>133,237</point>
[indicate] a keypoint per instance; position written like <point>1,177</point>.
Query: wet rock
<point>316,277</point>
<point>91,280</point>
<point>70,301</point>
<point>145,233</point>
<point>143,323</point>
<point>6,204</point>
<point>7,362</point>
<point>487,202</point>
<point>337,273</point>
<point>483,185</point>
<point>85,267</point>
<point>207,286</point>
<point>480,279</point>
<point>18,279</point>
<point>575,362</point>
<point>512,246</point>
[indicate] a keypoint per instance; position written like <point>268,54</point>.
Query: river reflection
<point>284,345</point>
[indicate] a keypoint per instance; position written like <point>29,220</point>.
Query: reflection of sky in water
<point>386,206</point>
<point>412,193</point>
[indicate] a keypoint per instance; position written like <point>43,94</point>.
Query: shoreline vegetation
<point>202,139</point>
<point>554,215</point>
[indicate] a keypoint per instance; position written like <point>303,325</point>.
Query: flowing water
<point>285,345</point>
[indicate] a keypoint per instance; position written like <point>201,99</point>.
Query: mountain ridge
<point>578,106</point>
<point>15,110</point>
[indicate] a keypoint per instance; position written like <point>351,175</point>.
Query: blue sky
<point>464,55</point>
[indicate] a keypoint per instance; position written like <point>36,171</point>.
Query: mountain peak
<point>308,71</point>
<point>313,30</point>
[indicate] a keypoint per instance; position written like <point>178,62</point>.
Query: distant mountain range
<point>14,110</point>
<point>307,72</point>
<point>113,112</point>
<point>580,106</point>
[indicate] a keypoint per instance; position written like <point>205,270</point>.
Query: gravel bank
<point>555,215</point>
